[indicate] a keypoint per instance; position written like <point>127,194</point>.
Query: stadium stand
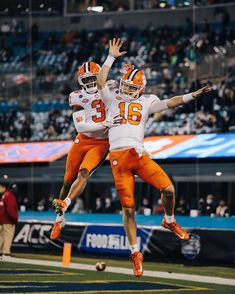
<point>166,53</point>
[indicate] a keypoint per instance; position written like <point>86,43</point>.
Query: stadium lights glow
<point>49,9</point>
<point>162,5</point>
<point>41,5</point>
<point>19,6</point>
<point>5,176</point>
<point>218,174</point>
<point>95,8</point>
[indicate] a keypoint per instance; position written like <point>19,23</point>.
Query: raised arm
<point>161,105</point>
<point>179,100</point>
<point>114,52</point>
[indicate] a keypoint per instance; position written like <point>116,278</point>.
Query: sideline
<point>112,269</point>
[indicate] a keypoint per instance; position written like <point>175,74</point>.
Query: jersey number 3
<point>100,109</point>
<point>133,113</point>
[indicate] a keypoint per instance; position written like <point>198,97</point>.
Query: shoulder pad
<point>77,94</point>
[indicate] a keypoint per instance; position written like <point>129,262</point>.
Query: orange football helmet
<point>87,76</point>
<point>132,84</point>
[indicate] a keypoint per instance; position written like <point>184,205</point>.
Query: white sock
<point>169,218</point>
<point>68,201</point>
<point>59,217</point>
<point>134,248</point>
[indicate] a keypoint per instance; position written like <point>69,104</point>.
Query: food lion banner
<point>110,239</point>
<point>205,245</point>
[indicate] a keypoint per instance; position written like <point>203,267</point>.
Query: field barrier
<point>206,245</point>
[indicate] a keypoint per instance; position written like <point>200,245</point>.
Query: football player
<point>127,154</point>
<point>90,147</point>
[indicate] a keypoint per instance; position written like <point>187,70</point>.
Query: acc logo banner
<point>33,234</point>
<point>110,239</point>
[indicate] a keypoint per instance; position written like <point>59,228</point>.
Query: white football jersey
<point>94,109</point>
<point>135,115</point>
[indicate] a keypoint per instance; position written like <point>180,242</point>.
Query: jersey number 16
<point>133,113</point>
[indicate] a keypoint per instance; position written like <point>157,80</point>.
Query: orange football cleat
<point>137,258</point>
<point>55,232</point>
<point>176,229</point>
<point>60,206</point>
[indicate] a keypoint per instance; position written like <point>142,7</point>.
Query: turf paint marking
<point>94,287</point>
<point>147,273</point>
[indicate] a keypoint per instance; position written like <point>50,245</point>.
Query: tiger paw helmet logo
<point>115,162</point>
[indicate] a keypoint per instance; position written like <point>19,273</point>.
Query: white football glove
<point>110,121</point>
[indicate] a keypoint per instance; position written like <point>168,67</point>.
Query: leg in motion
<point>154,175</point>
<point>169,222</point>
<point>131,231</point>
<point>75,190</point>
<point>61,204</point>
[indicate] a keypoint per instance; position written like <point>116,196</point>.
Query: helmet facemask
<point>129,91</point>
<point>89,82</point>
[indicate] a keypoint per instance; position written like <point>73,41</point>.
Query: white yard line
<point>111,269</point>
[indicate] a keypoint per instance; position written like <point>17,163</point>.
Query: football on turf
<point>100,266</point>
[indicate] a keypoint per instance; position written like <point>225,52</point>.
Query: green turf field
<point>21,278</point>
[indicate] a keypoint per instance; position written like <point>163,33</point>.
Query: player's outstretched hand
<point>115,46</point>
<point>201,91</point>
<point>113,121</point>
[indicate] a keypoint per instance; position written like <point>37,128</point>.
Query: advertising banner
<point>204,246</point>
<point>33,152</point>
<point>160,147</point>
<point>110,239</point>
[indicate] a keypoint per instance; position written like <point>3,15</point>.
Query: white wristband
<point>109,61</point>
<point>188,98</point>
<point>68,201</point>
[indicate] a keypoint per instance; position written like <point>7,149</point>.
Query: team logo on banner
<point>110,239</point>
<point>191,248</point>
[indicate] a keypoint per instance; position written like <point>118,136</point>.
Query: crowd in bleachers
<point>165,54</point>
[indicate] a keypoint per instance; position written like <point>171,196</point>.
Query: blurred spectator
<point>145,207</point>
<point>201,206</point>
<point>108,23</point>
<point>79,206</point>
<point>158,208</point>
<point>162,52</point>
<point>109,206</point>
<point>41,206</point>
<point>5,28</point>
<point>98,205</point>
<point>210,207</point>
<point>222,209</point>
<point>35,32</point>
<point>24,204</point>
<point>8,220</point>
<point>182,208</point>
